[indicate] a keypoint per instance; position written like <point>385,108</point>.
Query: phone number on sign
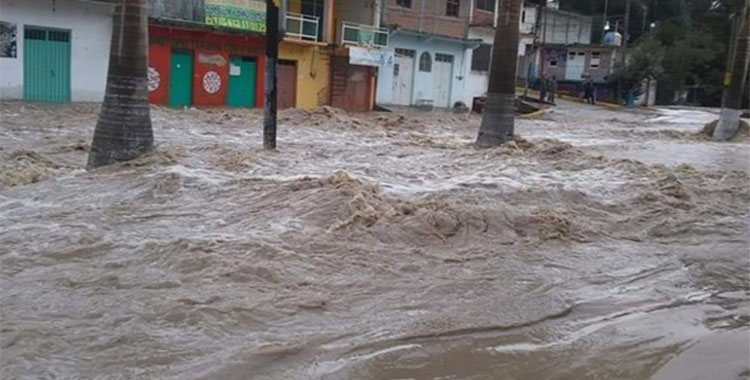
<point>236,23</point>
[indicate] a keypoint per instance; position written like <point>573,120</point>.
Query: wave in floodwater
<point>378,246</point>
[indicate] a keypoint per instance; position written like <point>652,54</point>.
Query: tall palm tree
<point>123,131</point>
<point>498,120</point>
<point>737,77</point>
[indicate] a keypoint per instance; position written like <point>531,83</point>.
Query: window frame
<point>486,3</point>
<point>475,63</point>
<point>425,62</point>
<point>598,56</point>
<point>404,3</point>
<point>442,57</point>
<point>452,6</point>
<point>411,53</point>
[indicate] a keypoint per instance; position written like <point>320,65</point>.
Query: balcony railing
<point>363,35</point>
<point>303,27</point>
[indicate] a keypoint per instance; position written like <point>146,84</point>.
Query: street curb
<point>610,106</point>
<point>535,114</point>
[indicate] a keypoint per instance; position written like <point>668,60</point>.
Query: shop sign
<point>370,57</point>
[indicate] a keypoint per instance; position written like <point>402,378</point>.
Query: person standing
<point>551,89</point>
<point>592,92</point>
<point>587,91</point>
<point>542,89</point>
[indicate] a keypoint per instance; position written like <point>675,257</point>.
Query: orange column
<point>330,22</point>
<point>373,87</point>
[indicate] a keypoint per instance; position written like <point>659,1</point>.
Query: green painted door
<point>180,79</point>
<point>242,80</point>
<point>46,65</point>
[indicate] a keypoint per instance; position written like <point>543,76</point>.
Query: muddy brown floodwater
<point>601,245</point>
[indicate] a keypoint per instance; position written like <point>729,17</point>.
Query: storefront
<point>205,68</point>
<point>303,74</point>
<point>353,76</point>
<point>426,70</point>
<point>54,52</point>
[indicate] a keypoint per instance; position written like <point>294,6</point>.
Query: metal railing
<point>363,35</point>
<point>303,27</point>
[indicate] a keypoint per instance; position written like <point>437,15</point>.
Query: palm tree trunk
<point>729,121</point>
<point>497,122</point>
<point>124,131</point>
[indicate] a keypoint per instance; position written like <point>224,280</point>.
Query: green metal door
<point>180,79</point>
<point>46,65</point>
<point>242,81</point>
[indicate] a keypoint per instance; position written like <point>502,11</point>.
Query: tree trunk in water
<point>123,131</point>
<point>729,121</point>
<point>497,122</point>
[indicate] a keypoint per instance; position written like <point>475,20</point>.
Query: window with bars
<point>486,5</point>
<point>406,52</point>
<point>404,3</point>
<point>439,57</point>
<point>480,58</point>
<point>452,8</point>
<point>35,34</point>
<point>59,36</point>
<point>425,62</point>
<point>32,33</point>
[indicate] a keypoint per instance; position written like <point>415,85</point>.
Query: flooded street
<point>599,245</point>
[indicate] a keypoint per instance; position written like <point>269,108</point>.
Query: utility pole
<point>543,15</point>
<point>730,53</point>
<point>272,56</point>
<point>534,44</point>
<point>625,37</point>
<point>626,33</point>
<point>736,78</point>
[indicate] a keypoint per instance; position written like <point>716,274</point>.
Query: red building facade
<point>190,67</point>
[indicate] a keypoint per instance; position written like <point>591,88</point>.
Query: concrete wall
<point>356,11</point>
<point>313,72</point>
<point>91,28</point>
<point>559,54</point>
<point>567,28</point>
<point>423,82</point>
<point>600,74</point>
<point>528,20</point>
<point>189,10</point>
<point>481,17</point>
<point>477,81</point>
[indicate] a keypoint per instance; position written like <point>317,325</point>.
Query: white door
<point>575,66</point>
<point>403,69</point>
<point>443,79</point>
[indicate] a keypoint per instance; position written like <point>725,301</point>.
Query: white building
<point>54,51</point>
<point>426,70</point>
